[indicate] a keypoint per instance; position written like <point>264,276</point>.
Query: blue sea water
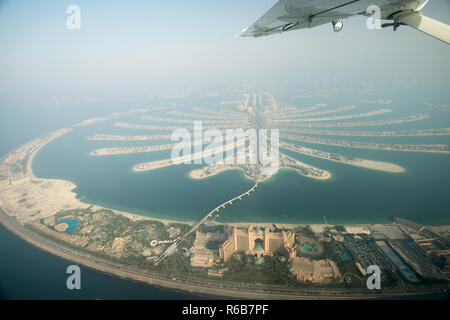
<point>27,272</point>
<point>352,195</point>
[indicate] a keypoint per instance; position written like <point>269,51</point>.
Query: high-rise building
<point>256,241</point>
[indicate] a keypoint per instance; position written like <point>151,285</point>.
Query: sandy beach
<point>189,158</point>
<point>46,197</point>
<point>377,165</point>
<point>368,164</point>
<point>137,217</point>
<point>201,174</point>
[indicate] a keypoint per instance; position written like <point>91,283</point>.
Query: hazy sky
<point>129,48</point>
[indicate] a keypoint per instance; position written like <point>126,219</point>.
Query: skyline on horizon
<point>140,49</point>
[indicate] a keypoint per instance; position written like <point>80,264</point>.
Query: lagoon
<point>352,195</point>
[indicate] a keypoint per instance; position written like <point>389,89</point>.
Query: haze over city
<point>131,49</point>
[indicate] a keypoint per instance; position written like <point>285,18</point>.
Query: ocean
<point>352,195</point>
<point>27,272</point>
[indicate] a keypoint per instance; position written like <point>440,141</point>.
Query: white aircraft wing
<point>297,14</point>
<point>287,15</point>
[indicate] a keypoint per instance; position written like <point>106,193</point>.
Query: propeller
<point>394,24</point>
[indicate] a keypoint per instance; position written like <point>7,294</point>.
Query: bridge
<point>172,248</point>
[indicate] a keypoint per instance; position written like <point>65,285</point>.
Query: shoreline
<point>30,159</point>
<point>176,284</point>
<point>194,285</point>
<point>129,215</point>
<point>136,216</point>
<point>196,174</point>
<point>203,173</point>
<point>357,162</point>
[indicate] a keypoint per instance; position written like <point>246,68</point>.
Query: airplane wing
<point>287,15</point>
<point>298,14</point>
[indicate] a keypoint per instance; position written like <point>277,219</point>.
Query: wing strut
<point>417,20</point>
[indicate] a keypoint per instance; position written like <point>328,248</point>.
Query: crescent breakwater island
<point>240,260</point>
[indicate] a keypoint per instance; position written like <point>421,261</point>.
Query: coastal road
<point>200,286</point>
